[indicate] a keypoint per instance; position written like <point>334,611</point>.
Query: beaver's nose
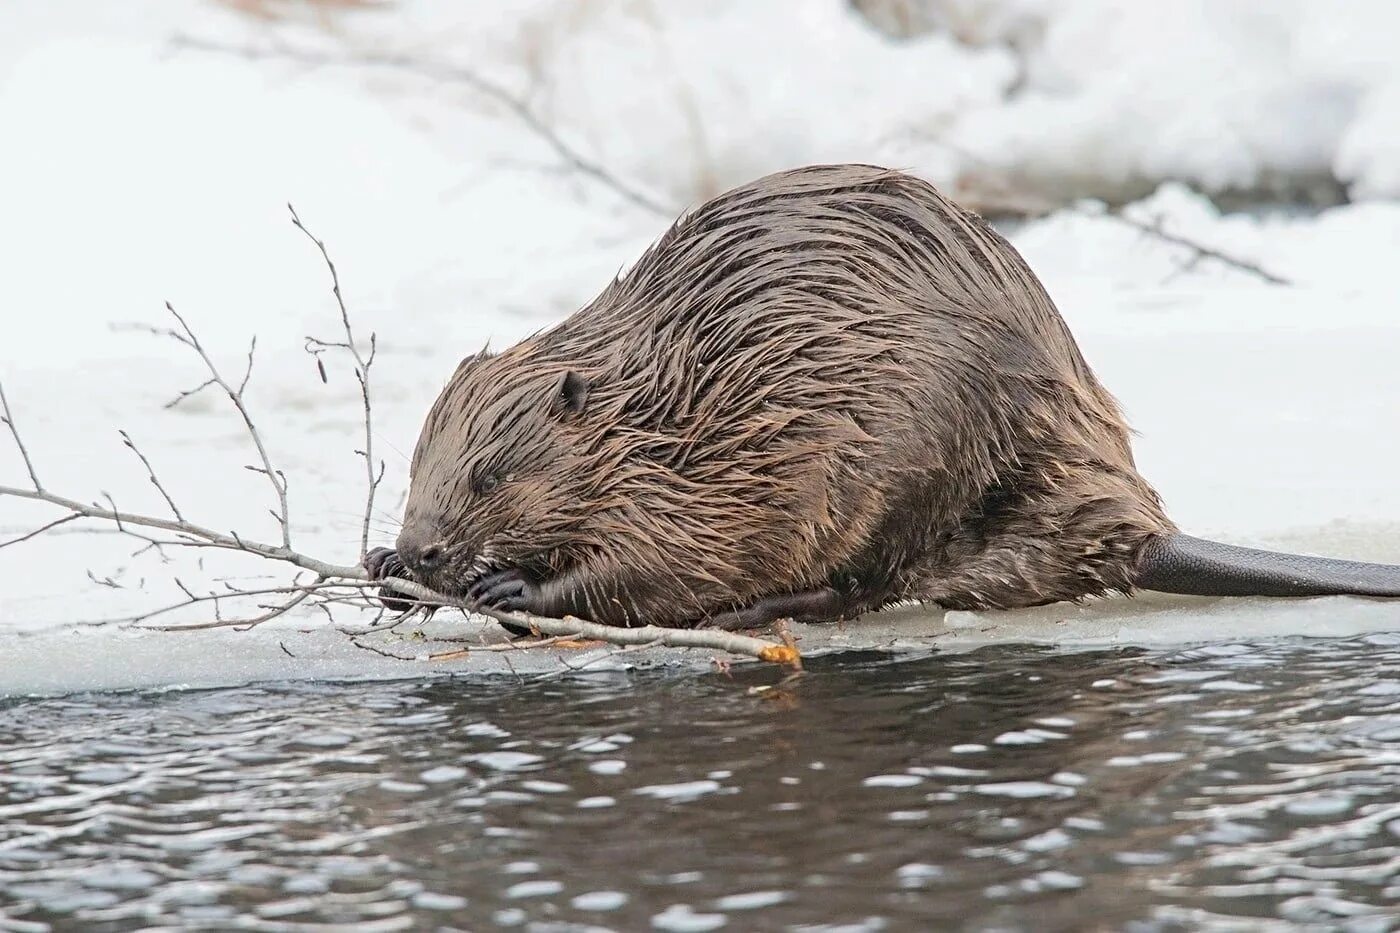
<point>420,549</point>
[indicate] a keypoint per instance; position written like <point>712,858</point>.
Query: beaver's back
<point>847,286</point>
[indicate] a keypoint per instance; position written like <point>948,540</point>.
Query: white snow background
<point>137,168</point>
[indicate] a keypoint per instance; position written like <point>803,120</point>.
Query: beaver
<point>821,393</point>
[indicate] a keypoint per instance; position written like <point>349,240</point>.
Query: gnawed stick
<point>331,580</point>
<point>730,642</point>
<point>641,635</point>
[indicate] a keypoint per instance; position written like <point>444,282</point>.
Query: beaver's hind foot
<point>823,605</point>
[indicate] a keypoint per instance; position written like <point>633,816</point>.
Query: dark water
<point>1011,788</point>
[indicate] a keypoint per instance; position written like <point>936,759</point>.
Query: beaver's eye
<point>488,483</point>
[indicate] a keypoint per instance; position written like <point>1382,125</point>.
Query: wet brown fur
<point>829,377</point>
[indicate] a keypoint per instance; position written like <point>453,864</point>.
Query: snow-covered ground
<point>134,170</point>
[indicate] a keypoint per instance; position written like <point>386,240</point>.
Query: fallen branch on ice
<point>329,584</point>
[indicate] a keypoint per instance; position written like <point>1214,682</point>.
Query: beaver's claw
<point>384,562</point>
<point>507,590</point>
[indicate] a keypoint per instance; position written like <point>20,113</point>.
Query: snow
<point>134,171</point>
<point>1226,94</point>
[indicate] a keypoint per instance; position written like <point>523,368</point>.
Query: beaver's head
<point>491,479</point>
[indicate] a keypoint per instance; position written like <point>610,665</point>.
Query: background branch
<point>515,105</point>
<point>1028,207</point>
<point>1201,251</point>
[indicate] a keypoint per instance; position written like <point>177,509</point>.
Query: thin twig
<point>236,396</point>
<point>104,581</point>
<point>151,473</point>
<point>1029,206</point>
<point>1021,204</point>
<point>297,592</point>
<point>517,106</point>
<point>188,393</point>
<point>240,624</point>
<point>354,640</point>
<point>362,365</point>
<point>248,372</point>
<point>511,667</point>
<point>1200,250</point>
<point>495,646</point>
<point>596,659</point>
<point>9,420</point>
<point>38,531</point>
<point>232,540</point>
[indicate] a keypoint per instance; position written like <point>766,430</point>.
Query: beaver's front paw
<point>507,590</point>
<point>384,562</point>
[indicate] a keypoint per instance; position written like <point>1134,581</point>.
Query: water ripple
<point>1010,788</point>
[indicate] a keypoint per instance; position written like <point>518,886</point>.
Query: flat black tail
<point>1194,567</point>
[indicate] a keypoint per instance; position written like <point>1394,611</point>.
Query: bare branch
<point>362,365</point>
<point>248,373</point>
<point>513,104</point>
<point>354,640</point>
<point>150,471</point>
<point>104,581</point>
<point>187,393</point>
<point>232,540</point>
<point>1027,206</point>
<point>236,396</point>
<point>567,668</point>
<point>9,419</point>
<point>1200,250</point>
<point>241,624</point>
<point>112,506</point>
<point>334,583</point>
<point>1005,200</point>
<point>641,635</point>
<point>297,593</point>
<point>560,640</point>
<point>353,576</point>
<point>38,531</point>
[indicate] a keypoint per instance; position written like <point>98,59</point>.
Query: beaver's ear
<point>570,394</point>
